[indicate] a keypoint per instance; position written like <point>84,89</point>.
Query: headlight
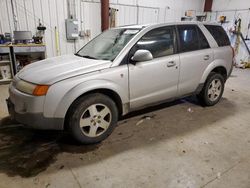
<point>32,89</point>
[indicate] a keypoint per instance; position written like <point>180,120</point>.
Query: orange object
<point>40,90</point>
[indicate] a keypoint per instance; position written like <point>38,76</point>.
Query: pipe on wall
<point>105,14</point>
<point>208,5</point>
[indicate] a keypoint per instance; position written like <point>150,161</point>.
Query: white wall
<point>219,5</point>
<point>53,13</point>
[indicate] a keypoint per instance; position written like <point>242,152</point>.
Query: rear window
<point>219,34</point>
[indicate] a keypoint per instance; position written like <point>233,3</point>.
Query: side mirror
<point>142,55</point>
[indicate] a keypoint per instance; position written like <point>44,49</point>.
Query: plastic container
<point>5,72</point>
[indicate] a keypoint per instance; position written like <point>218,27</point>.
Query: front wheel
<point>212,90</point>
<point>92,118</point>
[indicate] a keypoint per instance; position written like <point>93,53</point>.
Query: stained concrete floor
<point>178,144</point>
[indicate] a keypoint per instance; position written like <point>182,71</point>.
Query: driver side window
<point>160,42</point>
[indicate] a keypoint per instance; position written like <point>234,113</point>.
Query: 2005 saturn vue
<point>122,70</point>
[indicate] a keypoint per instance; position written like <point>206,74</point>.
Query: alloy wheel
<point>214,90</point>
<point>95,120</point>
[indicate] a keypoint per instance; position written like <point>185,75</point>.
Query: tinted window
<point>203,41</point>
<point>160,42</point>
<point>219,34</point>
<point>188,36</point>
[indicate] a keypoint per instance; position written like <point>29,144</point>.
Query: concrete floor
<point>179,144</point>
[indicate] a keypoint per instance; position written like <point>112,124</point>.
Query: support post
<point>105,14</point>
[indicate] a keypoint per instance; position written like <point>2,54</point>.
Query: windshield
<point>107,45</point>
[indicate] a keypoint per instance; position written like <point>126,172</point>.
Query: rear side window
<point>219,34</point>
<point>188,37</point>
<point>160,42</point>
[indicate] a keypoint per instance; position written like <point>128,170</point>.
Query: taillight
<point>233,51</point>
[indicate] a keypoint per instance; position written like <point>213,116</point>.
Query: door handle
<point>171,64</point>
<point>206,57</point>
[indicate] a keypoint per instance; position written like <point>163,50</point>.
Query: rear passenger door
<point>224,49</point>
<point>195,56</point>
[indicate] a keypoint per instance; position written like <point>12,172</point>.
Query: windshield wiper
<point>87,56</point>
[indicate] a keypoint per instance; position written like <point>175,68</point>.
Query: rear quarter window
<point>219,35</point>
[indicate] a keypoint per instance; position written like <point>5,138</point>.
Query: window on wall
<point>188,37</point>
<point>160,42</point>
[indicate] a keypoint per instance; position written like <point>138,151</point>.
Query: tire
<point>92,118</point>
<point>212,90</point>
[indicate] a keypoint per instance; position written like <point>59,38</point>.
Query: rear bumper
<point>35,120</point>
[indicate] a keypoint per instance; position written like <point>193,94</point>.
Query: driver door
<point>157,79</point>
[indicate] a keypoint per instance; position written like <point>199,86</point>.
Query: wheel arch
<point>221,70</point>
<point>108,88</point>
<point>219,66</point>
<point>105,91</point>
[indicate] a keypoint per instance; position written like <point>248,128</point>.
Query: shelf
<point>5,81</point>
<point>5,62</point>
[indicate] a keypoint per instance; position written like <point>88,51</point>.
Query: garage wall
<point>230,4</point>
<point>53,13</point>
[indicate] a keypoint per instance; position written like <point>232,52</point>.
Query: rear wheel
<point>92,118</point>
<point>212,90</point>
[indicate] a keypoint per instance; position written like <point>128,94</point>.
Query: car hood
<point>54,69</point>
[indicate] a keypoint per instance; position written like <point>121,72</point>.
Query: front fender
<point>213,65</point>
<point>85,87</point>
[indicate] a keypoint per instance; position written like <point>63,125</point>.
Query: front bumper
<point>28,110</point>
<point>35,120</point>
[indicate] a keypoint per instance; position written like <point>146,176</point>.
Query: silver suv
<point>119,71</point>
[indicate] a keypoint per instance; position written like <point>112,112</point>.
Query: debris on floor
<point>151,139</point>
<point>190,110</point>
<point>61,167</point>
<point>218,175</point>
<point>139,122</point>
<point>147,117</point>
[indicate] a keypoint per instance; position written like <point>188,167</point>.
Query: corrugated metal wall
<point>53,13</point>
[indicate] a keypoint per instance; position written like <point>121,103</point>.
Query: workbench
<point>6,61</point>
<point>32,52</point>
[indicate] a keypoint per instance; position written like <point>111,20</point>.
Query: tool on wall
<point>237,31</point>
<point>112,17</point>
<point>239,38</point>
<point>248,29</point>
